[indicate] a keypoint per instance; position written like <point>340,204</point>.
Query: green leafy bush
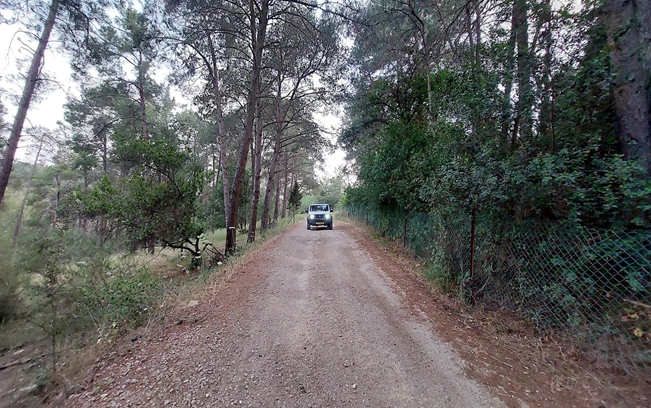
<point>68,296</point>
<point>122,297</point>
<point>8,289</point>
<point>9,279</point>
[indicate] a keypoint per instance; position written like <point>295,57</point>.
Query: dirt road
<point>310,321</point>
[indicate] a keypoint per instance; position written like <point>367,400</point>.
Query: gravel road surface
<point>310,320</point>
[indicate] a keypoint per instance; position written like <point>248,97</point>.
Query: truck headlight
<point>311,216</point>
<point>327,216</point>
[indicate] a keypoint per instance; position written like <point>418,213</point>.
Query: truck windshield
<point>319,208</point>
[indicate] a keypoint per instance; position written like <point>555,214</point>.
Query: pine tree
<point>295,197</point>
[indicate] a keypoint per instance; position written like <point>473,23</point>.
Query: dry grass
<point>179,286</point>
<point>226,271</point>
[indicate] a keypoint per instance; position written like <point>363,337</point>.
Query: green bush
<point>71,295</point>
<point>122,296</point>
<point>8,290</point>
<point>9,279</point>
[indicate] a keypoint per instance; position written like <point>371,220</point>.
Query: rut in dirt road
<point>311,321</point>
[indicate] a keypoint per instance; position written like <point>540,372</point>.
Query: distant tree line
<point>134,166</point>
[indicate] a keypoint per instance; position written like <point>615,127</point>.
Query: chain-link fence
<point>593,285</point>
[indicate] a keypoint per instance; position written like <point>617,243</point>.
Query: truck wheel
<point>330,226</point>
<point>308,227</point>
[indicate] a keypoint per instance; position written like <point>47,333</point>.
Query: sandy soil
<point>312,320</point>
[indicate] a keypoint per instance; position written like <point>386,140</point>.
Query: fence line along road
<point>593,285</point>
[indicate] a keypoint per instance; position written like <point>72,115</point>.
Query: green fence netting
<point>594,285</point>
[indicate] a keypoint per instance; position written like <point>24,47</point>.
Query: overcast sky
<point>41,113</point>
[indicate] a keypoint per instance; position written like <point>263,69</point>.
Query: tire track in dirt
<point>310,321</point>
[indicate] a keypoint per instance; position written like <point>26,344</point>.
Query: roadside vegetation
<point>508,145</point>
<point>136,195</point>
<point>190,131</point>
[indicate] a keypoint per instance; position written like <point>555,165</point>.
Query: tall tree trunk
<point>508,88</point>
<point>264,221</point>
<point>422,30</point>
<point>280,118</point>
<point>477,32</point>
<point>258,36</point>
<point>545,79</point>
<point>104,153</point>
<point>469,26</point>
<point>141,95</point>
<point>216,166</point>
<point>21,211</point>
<point>525,94</point>
<point>277,203</point>
<point>143,111</point>
<point>257,168</point>
<point>285,186</point>
<point>26,98</point>
<point>506,116</point>
<point>628,23</point>
<point>221,133</point>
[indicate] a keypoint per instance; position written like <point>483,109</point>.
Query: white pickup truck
<point>319,215</point>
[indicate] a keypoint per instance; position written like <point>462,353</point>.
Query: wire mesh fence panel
<point>593,285</point>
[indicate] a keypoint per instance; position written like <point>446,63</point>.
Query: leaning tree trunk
<point>26,98</point>
<point>258,35</point>
<point>629,35</point>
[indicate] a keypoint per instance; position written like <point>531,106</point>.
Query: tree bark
<point>285,185</point>
<point>277,203</point>
<point>257,164</point>
<point>628,24</point>
<point>258,36</point>
<point>280,118</point>
<point>221,132</point>
<point>26,98</point>
<point>525,94</point>
<point>508,88</point>
<point>264,221</point>
<point>142,102</point>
